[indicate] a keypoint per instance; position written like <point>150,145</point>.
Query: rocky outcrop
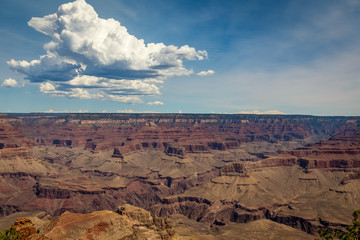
<point>117,154</point>
<point>51,193</point>
<point>11,153</point>
<point>128,223</point>
<point>240,216</point>
<point>217,146</point>
<point>196,148</point>
<point>6,210</point>
<point>234,169</point>
<point>62,143</point>
<point>162,225</point>
<point>296,222</point>
<point>90,146</point>
<point>352,176</point>
<point>341,163</point>
<point>232,144</point>
<point>175,151</point>
<point>27,230</point>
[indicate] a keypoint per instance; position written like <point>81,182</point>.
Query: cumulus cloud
<point>155,103</point>
<point>91,57</point>
<point>206,73</point>
<point>9,83</point>
<point>81,93</point>
<point>274,112</point>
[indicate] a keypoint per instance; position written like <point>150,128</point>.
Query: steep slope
<point>305,188</point>
<point>256,230</point>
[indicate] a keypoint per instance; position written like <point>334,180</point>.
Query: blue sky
<point>294,57</point>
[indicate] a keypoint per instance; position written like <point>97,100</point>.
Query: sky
<point>186,56</point>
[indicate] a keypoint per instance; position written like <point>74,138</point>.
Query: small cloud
<point>104,111</point>
<point>155,103</point>
<point>206,73</point>
<point>66,111</point>
<point>133,111</point>
<point>274,112</point>
<point>10,83</point>
<point>126,111</point>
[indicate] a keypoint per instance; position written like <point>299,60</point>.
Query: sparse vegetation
<point>10,234</point>
<point>352,231</point>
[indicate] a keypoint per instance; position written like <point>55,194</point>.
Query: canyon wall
<point>302,171</point>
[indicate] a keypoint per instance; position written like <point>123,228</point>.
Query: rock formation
<point>217,170</point>
<point>117,153</point>
<point>129,223</point>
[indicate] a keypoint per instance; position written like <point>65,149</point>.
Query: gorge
<point>211,174</point>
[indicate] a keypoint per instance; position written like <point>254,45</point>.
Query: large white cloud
<point>91,57</point>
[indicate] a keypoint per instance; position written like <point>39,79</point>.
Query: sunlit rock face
<point>128,223</point>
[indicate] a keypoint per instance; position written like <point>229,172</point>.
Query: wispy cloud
<point>66,111</point>
<point>155,103</point>
<point>94,58</point>
<point>326,86</point>
<point>274,112</point>
<point>310,66</point>
<point>133,111</point>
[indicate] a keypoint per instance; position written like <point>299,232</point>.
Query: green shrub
<point>352,231</point>
<point>10,234</point>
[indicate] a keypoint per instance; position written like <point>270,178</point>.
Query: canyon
<point>214,176</point>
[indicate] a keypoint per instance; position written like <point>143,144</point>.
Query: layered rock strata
<point>302,171</point>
